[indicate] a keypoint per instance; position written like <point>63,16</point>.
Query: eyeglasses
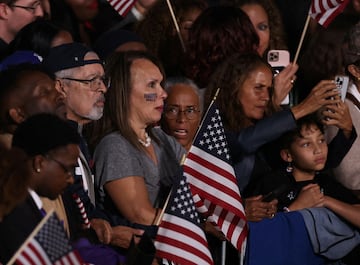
<point>69,172</point>
<point>172,112</point>
<point>93,83</point>
<point>31,9</point>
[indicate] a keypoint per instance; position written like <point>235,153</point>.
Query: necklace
<point>147,141</point>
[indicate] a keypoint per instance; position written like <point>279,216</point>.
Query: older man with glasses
<point>81,79</point>
<point>14,15</point>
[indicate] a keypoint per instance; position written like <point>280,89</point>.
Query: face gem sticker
<point>150,97</point>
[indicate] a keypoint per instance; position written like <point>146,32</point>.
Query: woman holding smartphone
<point>252,125</point>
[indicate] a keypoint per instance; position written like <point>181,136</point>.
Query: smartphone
<point>342,83</point>
<point>279,59</point>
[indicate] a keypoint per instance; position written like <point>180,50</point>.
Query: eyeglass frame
<point>30,9</point>
<point>61,164</point>
<point>89,82</point>
<point>192,108</point>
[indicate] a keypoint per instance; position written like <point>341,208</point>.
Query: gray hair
<point>172,81</point>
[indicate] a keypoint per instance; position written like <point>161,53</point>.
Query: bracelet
<point>286,209</point>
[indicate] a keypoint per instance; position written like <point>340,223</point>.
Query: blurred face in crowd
<point>19,14</point>
<point>187,21</point>
<point>260,21</point>
<point>56,171</point>
<point>84,97</point>
<point>39,95</point>
<point>254,93</point>
<point>63,37</point>
<point>182,114</point>
<point>84,10</point>
<point>147,95</point>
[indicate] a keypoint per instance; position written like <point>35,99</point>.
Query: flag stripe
<point>180,237</point>
<point>324,11</point>
<point>181,249</point>
<point>230,223</point>
<point>178,232</point>
<point>122,6</point>
<point>203,182</point>
<point>188,235</point>
<point>34,255</point>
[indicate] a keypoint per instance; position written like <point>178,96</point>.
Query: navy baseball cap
<point>20,57</point>
<point>68,56</point>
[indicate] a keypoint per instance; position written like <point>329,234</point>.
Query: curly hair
<point>277,31</point>
<point>219,32</point>
<point>158,31</point>
<point>229,77</point>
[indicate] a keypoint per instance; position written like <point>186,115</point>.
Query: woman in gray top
<point>134,159</point>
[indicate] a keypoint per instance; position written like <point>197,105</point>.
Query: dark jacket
<point>16,227</point>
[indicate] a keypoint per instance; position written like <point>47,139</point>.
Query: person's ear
<point>59,86</point>
<point>285,155</point>
<point>17,115</point>
<point>37,163</point>
<point>4,11</point>
<point>355,71</point>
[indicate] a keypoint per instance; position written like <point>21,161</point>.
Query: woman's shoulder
<point>113,140</point>
<point>163,137</point>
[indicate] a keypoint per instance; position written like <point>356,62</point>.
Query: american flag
<point>212,179</point>
<point>324,11</point>
<point>122,6</point>
<point>47,245</point>
<point>180,238</point>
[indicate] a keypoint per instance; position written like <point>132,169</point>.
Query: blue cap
<point>20,57</point>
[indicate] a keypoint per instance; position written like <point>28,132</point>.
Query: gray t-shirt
<point>116,158</point>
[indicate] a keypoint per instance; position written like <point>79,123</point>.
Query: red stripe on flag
<point>183,230</point>
<point>221,188</point>
<point>184,246</point>
<point>325,11</point>
<point>210,165</point>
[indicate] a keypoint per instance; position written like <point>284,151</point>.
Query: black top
<point>3,49</point>
<point>289,188</point>
<point>16,227</point>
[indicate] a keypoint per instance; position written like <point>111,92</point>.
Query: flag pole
<point>302,37</point>
<point>31,236</point>
<point>223,252</point>
<point>176,25</point>
<point>159,218</point>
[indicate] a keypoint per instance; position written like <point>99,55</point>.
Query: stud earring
<point>38,170</point>
<point>289,168</point>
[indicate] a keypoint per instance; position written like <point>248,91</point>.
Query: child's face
<point>309,152</point>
